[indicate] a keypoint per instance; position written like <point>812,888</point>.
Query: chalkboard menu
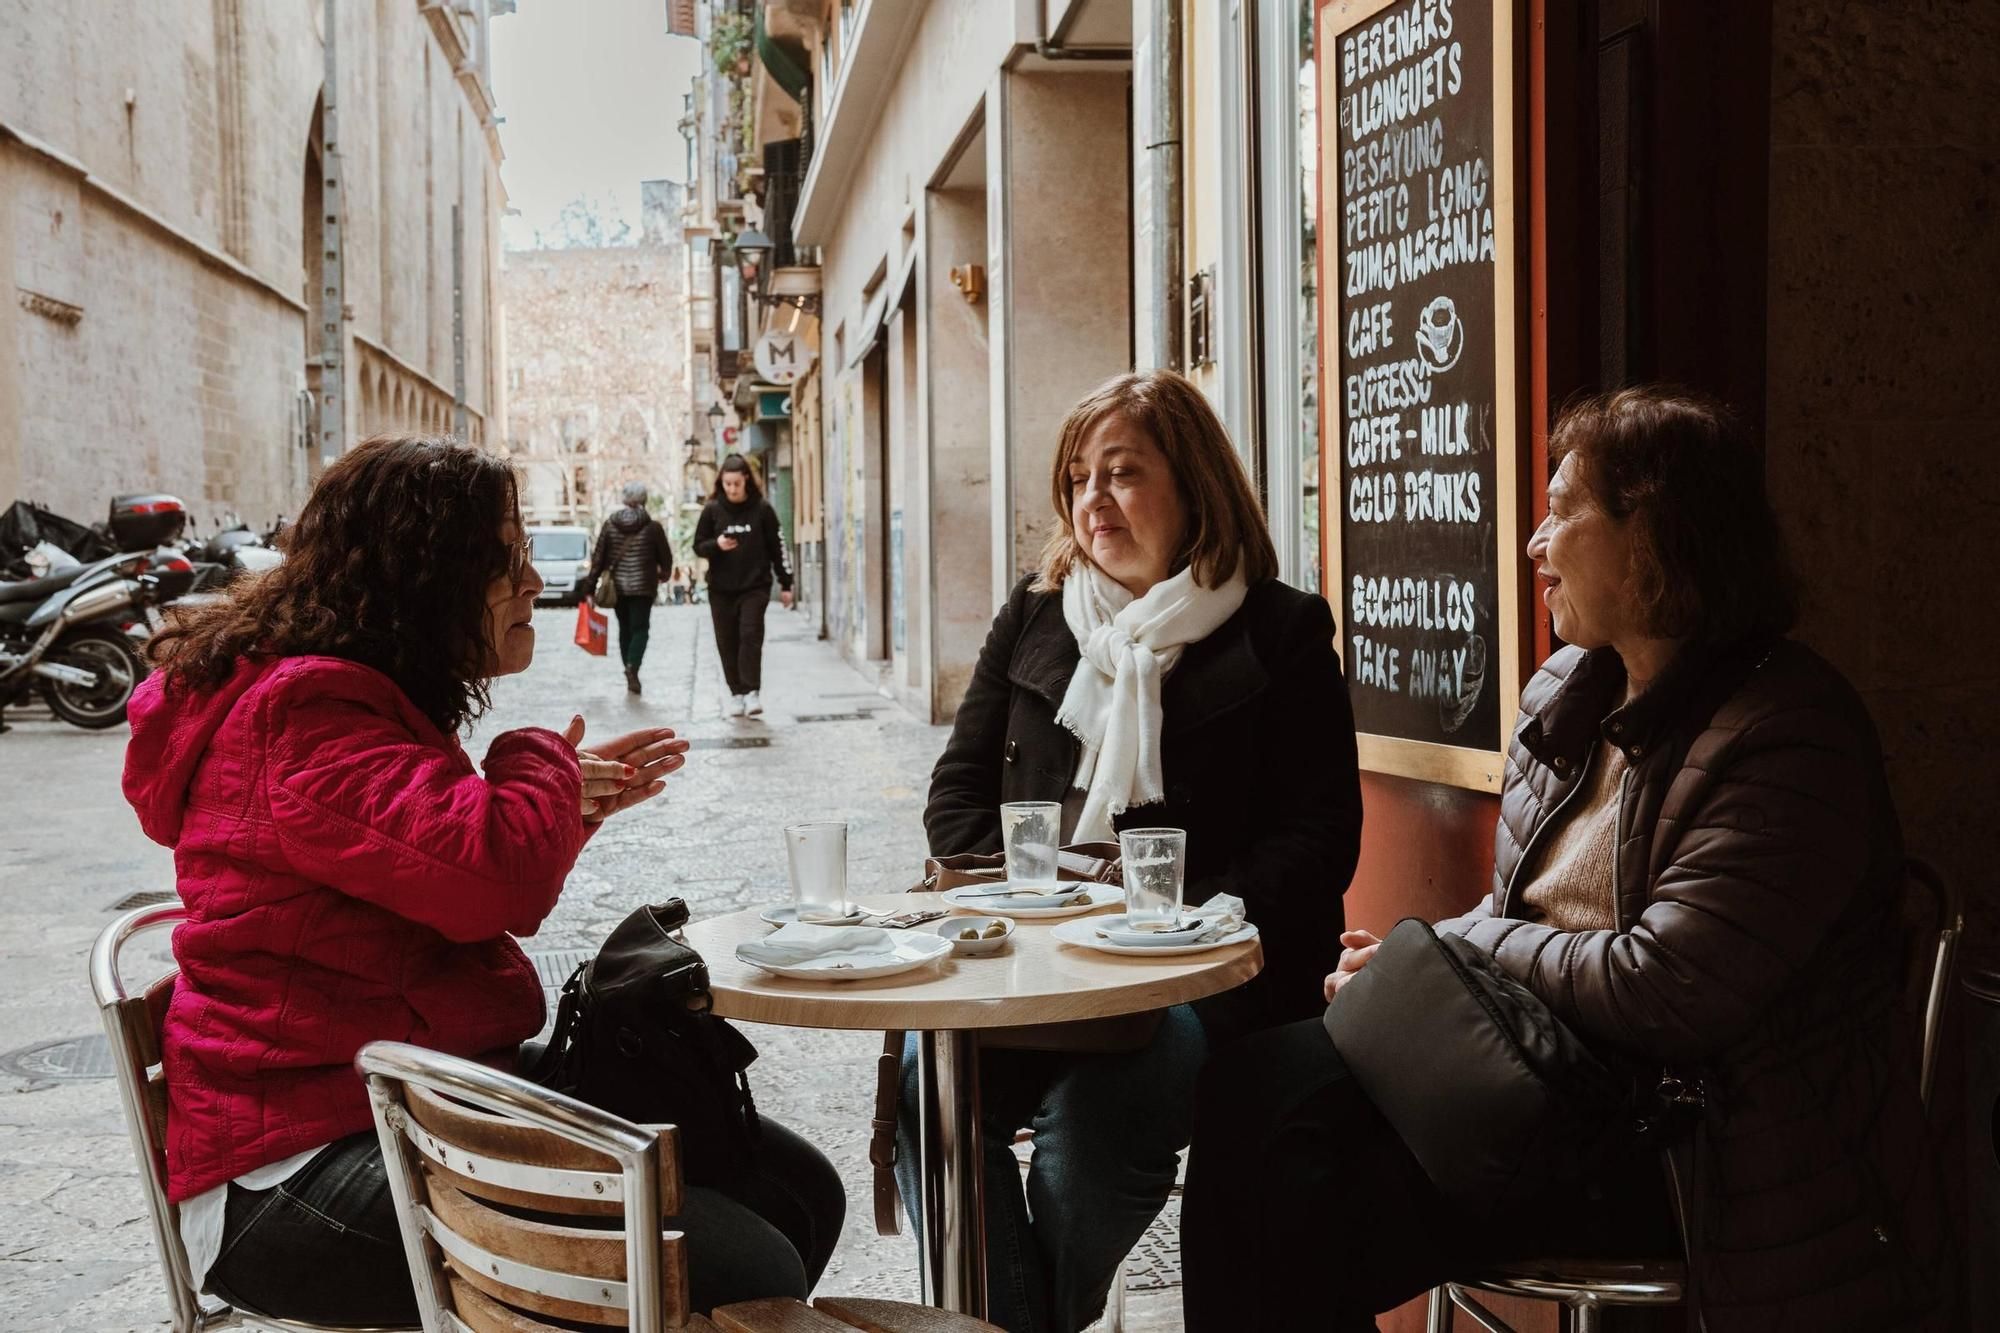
<point>1418,320</point>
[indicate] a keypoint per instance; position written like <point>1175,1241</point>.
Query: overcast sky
<point>592,95</point>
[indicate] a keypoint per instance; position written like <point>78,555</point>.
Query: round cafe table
<point>1035,980</point>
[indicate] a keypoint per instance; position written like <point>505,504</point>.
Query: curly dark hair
<point>388,565</point>
<point>737,463</point>
<point>1709,560</point>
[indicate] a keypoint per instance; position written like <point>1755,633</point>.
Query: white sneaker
<point>734,708</point>
<point>753,703</point>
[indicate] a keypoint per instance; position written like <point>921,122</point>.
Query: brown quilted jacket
<point>1757,953</point>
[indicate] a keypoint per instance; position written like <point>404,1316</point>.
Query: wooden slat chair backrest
<point>498,1195</point>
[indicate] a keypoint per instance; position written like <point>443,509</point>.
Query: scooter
<point>63,634</point>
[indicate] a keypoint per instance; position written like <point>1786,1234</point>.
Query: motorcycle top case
<point>139,521</point>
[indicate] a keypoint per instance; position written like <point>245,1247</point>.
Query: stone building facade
<point>163,243</point>
<point>597,367</point>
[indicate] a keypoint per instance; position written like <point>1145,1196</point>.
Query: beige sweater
<point>1569,882</point>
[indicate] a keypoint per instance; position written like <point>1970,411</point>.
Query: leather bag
<point>1497,1099</point>
<point>1089,862</point>
<point>605,595</point>
<point>634,1036</point>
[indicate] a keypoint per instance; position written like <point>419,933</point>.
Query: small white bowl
<point>950,927</point>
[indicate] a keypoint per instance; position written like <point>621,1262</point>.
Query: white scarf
<point>1113,702</point>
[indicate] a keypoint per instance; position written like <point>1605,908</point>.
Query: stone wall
<point>154,162</point>
<point>1882,457</point>
<point>597,372</point>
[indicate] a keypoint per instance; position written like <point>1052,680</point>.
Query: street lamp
<point>751,247</point>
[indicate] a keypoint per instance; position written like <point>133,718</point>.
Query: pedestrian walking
<point>738,534</point>
<point>632,547</point>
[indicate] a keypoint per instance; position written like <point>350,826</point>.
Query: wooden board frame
<point>1458,766</point>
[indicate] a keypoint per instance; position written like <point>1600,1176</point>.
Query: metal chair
<point>1586,1288</point>
<point>132,1023</point>
<point>486,1167</point>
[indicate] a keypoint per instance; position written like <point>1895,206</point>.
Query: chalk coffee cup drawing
<point>1440,335</point>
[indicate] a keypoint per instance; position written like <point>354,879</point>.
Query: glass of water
<point>817,855</point>
<point>1153,860</point>
<point>1030,831</point>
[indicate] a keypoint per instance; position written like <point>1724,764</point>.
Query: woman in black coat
<point>1210,699</point>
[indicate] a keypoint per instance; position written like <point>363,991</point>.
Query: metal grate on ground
<point>553,966</point>
<point>70,1058</point>
<point>831,717</point>
<point>729,742</point>
<point>144,898</point>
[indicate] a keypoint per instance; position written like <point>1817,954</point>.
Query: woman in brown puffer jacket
<point>1698,870</point>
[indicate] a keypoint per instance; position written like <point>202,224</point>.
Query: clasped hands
<point>1356,948</point>
<point>625,771</point>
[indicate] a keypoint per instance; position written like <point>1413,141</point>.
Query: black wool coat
<point>1257,751</point>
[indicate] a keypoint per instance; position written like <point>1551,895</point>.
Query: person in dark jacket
<point>738,535</point>
<point>633,546</point>
<point>1157,595</point>
<point>1697,869</point>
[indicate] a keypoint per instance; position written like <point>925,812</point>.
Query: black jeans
<point>739,635</point>
<point>635,626</point>
<point>323,1247</point>
<point>1305,1211</point>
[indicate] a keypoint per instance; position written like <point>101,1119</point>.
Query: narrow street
<point>77,1252</point>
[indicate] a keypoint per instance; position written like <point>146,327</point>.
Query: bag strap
<point>882,1142</point>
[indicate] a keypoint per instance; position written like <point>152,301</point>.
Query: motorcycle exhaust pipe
<point>66,675</point>
<point>97,602</point>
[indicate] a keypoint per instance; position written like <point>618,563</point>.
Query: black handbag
<point>634,1036</point>
<point>1498,1101</point>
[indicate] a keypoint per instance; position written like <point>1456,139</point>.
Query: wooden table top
<point>1034,980</point>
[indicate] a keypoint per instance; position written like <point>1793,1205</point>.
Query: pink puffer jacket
<point>349,877</point>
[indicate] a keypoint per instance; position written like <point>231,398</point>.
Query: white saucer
<point>1083,934</point>
<point>910,949</point>
<point>785,913</point>
<point>1116,929</point>
<point>1032,906</point>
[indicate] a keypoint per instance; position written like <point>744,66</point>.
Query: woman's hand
<point>726,543</point>
<point>1356,948</point>
<point>625,771</point>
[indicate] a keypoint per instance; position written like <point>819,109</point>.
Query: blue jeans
<point>1108,1129</point>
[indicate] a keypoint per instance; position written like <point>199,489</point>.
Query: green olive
<point>995,930</point>
<point>969,933</point>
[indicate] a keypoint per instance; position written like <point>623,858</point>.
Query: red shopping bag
<point>593,631</point>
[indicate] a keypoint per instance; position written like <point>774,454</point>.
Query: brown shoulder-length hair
<point>1709,562</point>
<point>752,489</point>
<point>1225,522</point>
<point>388,565</point>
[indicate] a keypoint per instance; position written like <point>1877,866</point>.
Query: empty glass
<point>1153,860</point>
<point>817,855</point>
<point>1030,831</point>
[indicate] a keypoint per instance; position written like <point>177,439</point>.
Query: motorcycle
<point>236,551</point>
<point>63,634</point>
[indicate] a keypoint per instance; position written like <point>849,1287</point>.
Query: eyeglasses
<point>520,559</point>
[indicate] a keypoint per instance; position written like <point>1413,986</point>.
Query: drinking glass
<point>1153,860</point>
<point>817,855</point>
<point>1030,830</point>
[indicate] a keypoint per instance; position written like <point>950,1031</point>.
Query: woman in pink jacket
<point>351,877</point>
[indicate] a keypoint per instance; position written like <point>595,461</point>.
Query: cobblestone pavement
<point>75,1247</point>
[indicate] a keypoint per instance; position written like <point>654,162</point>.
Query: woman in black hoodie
<point>738,535</point>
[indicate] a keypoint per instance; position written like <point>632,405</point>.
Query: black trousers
<point>1305,1211</point>
<point>635,626</point>
<point>323,1246</point>
<point>739,635</point>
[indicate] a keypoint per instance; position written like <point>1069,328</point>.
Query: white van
<point>562,557</point>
